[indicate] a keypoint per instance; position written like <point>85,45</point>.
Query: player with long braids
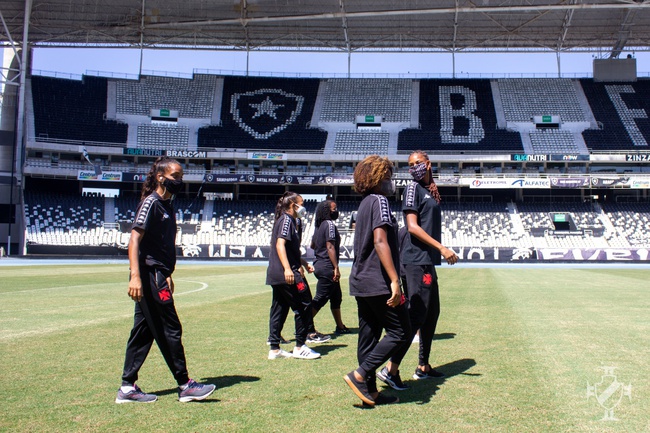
<point>420,253</point>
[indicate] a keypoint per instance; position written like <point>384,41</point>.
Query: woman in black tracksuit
<point>152,259</point>
<point>420,253</point>
<point>326,243</point>
<point>284,275</point>
<point>374,279</point>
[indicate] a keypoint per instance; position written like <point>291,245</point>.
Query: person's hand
<point>170,283</point>
<point>449,256</point>
<point>135,289</point>
<point>289,278</point>
<point>396,295</point>
<point>310,268</point>
<point>337,274</point>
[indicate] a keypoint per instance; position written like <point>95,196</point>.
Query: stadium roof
<point>343,25</point>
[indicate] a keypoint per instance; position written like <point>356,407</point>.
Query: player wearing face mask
<point>152,260</point>
<point>326,244</point>
<point>420,253</point>
<point>284,274</point>
<point>374,279</point>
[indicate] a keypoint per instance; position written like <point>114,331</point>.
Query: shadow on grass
<point>444,336</point>
<point>326,348</point>
<point>421,391</point>
<point>221,382</point>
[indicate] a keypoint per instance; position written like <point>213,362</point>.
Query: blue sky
<point>80,60</point>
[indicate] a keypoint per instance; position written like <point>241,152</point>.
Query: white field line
<point>97,321</point>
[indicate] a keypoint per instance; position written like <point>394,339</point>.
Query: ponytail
<point>159,166</point>
<point>284,203</point>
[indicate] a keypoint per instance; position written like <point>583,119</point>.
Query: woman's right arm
<point>280,247</point>
<point>380,239</point>
<point>135,282</point>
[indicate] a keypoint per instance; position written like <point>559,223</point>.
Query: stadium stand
<point>621,111</point>
<point>344,99</point>
<point>524,98</point>
<point>553,141</point>
<point>192,98</point>
<point>266,113</point>
<point>163,137</point>
<point>74,110</point>
<point>361,142</point>
<point>458,116</point>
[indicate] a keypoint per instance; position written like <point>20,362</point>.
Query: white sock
<point>182,387</point>
<point>127,388</point>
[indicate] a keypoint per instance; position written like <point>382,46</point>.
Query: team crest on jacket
<point>265,112</point>
<point>165,295</point>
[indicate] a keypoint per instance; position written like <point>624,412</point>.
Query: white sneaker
<point>305,352</point>
<point>279,354</point>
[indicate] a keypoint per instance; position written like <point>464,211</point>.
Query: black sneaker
<point>136,395</point>
<point>359,388</point>
<point>317,337</point>
<point>342,331</point>
<point>385,399</point>
<point>394,381</point>
<point>431,374</point>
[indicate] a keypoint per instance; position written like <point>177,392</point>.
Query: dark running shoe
<point>394,381</point>
<point>195,391</point>
<point>382,399</point>
<point>359,388</point>
<point>136,395</point>
<point>431,374</point>
<point>342,331</point>
<point>317,337</point>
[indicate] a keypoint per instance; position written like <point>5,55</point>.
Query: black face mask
<point>334,215</point>
<point>173,186</point>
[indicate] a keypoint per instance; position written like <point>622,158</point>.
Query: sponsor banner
<point>593,254</point>
<point>267,155</point>
<point>186,154</point>
<point>489,183</point>
<point>637,157</point>
<point>142,152</point>
<point>570,182</point>
<point>510,183</point>
<point>640,183</point>
<point>248,252</point>
<point>523,157</point>
<point>569,157</point>
<point>610,182</point>
<point>106,176</point>
<point>279,179</point>
<point>133,177</point>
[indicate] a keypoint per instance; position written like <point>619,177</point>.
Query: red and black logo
<point>427,279</point>
<point>301,286</point>
<point>165,295</point>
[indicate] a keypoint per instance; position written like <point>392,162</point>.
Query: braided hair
<point>432,187</point>
<point>323,212</point>
<point>160,166</point>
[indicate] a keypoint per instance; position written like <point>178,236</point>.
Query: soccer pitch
<point>523,347</point>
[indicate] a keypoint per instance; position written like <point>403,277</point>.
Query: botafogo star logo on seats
<point>263,113</point>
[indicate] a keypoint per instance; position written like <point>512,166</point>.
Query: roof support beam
<point>429,11</point>
<point>623,34</point>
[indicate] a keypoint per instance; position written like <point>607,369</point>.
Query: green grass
<point>519,346</point>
